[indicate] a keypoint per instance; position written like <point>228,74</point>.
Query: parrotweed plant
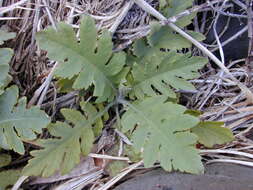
<point>159,127</point>
<point>143,80</point>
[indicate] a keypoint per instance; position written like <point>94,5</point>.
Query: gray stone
<point>219,176</point>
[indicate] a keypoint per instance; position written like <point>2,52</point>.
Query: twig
<point>237,116</point>
<point>49,15</point>
<point>121,17</point>
<point>19,182</point>
<point>231,38</point>
<point>234,152</point>
<point>41,91</point>
<point>216,34</point>
<point>108,157</point>
<point>12,7</point>
<point>239,3</point>
<point>114,180</point>
<point>244,163</point>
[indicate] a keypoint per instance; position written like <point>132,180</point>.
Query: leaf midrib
<point>159,73</point>
<point>19,119</point>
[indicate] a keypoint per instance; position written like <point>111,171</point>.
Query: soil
<point>218,176</point>
<point>238,48</point>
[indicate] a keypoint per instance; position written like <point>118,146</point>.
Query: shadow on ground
<point>218,176</point>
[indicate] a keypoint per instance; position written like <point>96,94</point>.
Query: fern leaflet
<point>163,133</point>
<point>91,60</point>
<point>17,123</point>
<point>157,72</point>
<point>63,153</point>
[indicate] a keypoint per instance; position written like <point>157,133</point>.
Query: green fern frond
<point>211,133</point>
<point>63,153</point>
<point>156,72</point>
<point>161,129</point>
<point>171,8</point>
<point>5,57</point>
<point>17,123</point>
<point>91,111</point>
<point>6,36</point>
<point>92,60</point>
<point>164,37</point>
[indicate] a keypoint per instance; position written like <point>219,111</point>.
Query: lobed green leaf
<point>91,61</point>
<point>153,76</point>
<point>17,122</point>
<point>5,57</point>
<point>161,129</point>
<point>6,36</point>
<point>211,133</point>
<point>63,153</point>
